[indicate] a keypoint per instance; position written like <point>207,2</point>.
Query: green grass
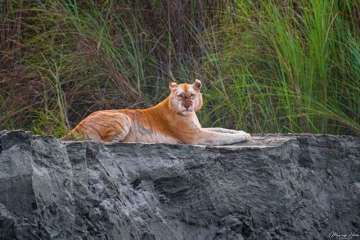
<point>267,66</point>
<point>286,69</point>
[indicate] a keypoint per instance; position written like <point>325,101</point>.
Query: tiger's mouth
<point>188,109</point>
<point>185,112</point>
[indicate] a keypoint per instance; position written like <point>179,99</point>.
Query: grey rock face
<point>275,187</point>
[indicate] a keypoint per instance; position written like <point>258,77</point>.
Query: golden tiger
<point>171,121</point>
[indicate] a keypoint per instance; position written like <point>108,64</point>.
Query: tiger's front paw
<point>246,136</point>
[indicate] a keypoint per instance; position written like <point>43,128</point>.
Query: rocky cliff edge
<point>274,187</point>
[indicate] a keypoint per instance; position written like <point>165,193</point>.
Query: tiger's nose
<point>187,105</point>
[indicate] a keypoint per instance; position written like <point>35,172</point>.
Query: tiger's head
<point>185,98</point>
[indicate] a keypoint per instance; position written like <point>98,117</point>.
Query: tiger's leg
<point>120,128</point>
<point>207,137</point>
<point>223,130</point>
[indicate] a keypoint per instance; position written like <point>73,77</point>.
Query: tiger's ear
<point>197,85</point>
<point>172,86</point>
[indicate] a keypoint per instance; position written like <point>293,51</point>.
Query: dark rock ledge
<point>275,187</point>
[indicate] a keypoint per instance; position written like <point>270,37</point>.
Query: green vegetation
<point>267,66</point>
